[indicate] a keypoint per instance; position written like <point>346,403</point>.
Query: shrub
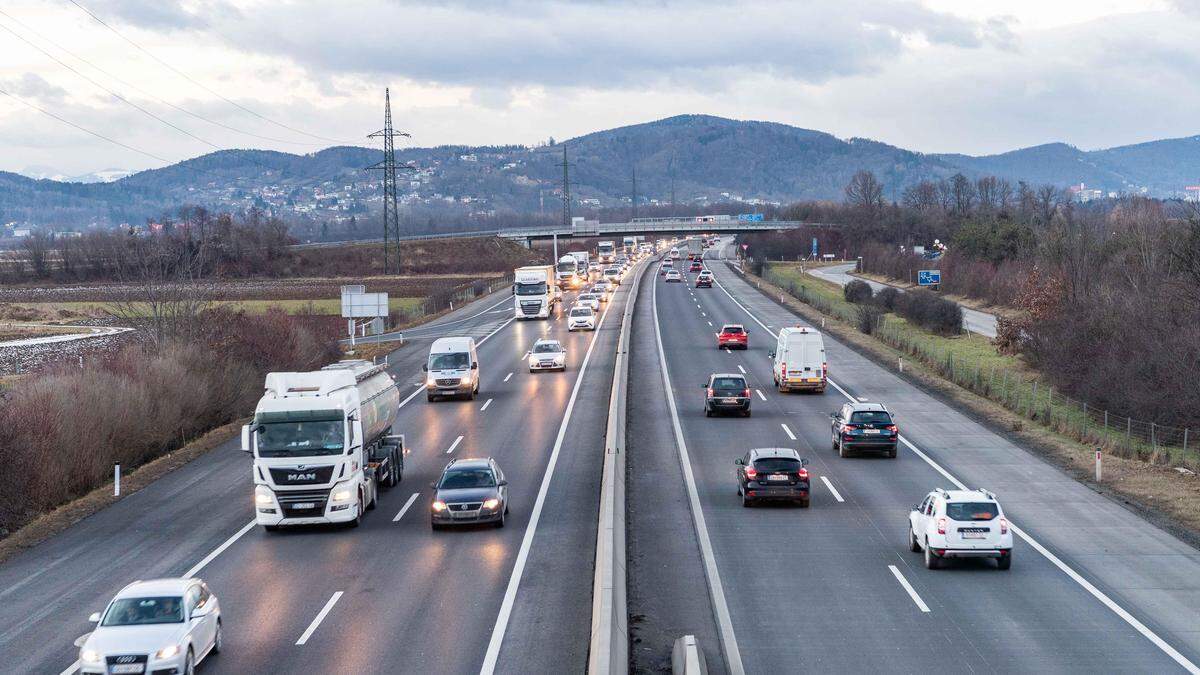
<point>886,298</point>
<point>857,292</point>
<point>930,312</point>
<point>869,318</point>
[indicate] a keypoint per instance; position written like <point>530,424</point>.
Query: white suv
<point>960,524</point>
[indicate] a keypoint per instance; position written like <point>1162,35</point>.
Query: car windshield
<point>777,464</point>
<point>581,311</point>
<point>612,270</point>
<point>971,510</point>
<point>142,611</point>
<point>871,417</point>
<point>546,347</point>
<point>587,296</point>
<point>300,438</point>
<point>455,361</point>
<point>458,479</point>
<point>734,330</point>
<point>729,383</point>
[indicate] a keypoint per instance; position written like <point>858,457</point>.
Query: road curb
<point>687,658</point>
<point>608,650</point>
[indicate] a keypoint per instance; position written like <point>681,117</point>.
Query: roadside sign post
<point>931,278</point>
<point>1097,465</point>
<point>116,480</point>
<point>358,304</point>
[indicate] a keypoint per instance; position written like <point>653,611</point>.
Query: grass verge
<point>1166,497</point>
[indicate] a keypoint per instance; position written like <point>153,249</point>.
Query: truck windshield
<point>567,267</point>
<point>301,439</point>
<point>538,288</point>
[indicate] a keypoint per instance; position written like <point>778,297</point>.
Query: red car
<point>696,266</point>
<point>733,335</point>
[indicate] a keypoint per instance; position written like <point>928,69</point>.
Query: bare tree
<point>167,291</point>
<point>963,194</point>
<point>37,248</point>
<point>865,192</point>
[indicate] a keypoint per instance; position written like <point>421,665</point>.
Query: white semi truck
<point>535,291</point>
<point>322,444</point>
<point>695,248</point>
<point>567,273</point>
<point>629,244</point>
<point>606,251</point>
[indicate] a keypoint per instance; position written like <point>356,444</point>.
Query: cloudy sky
<point>974,76</point>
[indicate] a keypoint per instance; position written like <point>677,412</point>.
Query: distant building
<point>22,231</point>
<point>1192,192</point>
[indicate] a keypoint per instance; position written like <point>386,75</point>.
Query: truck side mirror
<point>246,438</point>
<point>425,367</point>
<point>475,366</point>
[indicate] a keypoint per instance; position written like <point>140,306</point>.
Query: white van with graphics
<point>799,360</point>
<point>452,368</point>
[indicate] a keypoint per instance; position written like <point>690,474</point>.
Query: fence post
<point>1153,438</point>
<point>1185,432</point>
<point>1083,422</point>
<point>1004,393</point>
<point>1033,399</point>
<point>1128,428</point>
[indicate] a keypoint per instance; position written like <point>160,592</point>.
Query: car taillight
<point>746,393</point>
<point>891,428</point>
<point>1003,525</point>
<point>824,369</point>
<point>783,368</point>
<point>751,473</point>
<point>849,427</point>
<point>941,525</point>
<point>802,474</point>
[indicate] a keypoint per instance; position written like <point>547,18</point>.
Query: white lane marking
<point>407,504</point>
<point>1066,569</point>
<point>703,314</point>
<point>319,618</point>
<point>729,643</point>
<point>863,398</point>
<point>72,669</point>
<point>219,550</point>
<point>485,405</point>
<point>908,587</point>
<point>514,580</point>
<point>788,431</point>
<point>496,330</point>
<point>710,324</point>
<point>741,369</point>
<point>506,377</point>
<point>410,396</point>
<point>454,445</point>
<point>832,490</point>
<point>760,394</point>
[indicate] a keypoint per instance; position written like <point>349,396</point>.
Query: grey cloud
<point>34,86</point>
<point>163,14</point>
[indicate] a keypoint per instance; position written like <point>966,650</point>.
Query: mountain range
<point>695,157</point>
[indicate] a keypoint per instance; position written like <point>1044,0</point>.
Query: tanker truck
<point>322,444</point>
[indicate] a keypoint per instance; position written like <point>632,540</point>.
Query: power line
<point>198,83</point>
<point>148,94</point>
<point>83,129</point>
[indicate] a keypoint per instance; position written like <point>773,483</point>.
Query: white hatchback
<point>161,625</point>
<point>581,318</point>
<point>589,300</point>
<point>960,524</point>
<point>547,355</point>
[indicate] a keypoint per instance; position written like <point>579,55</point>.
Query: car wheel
<point>746,412</point>
<point>434,526</point>
<point>500,523</point>
<point>842,451</point>
<point>892,453</point>
<point>746,502</point>
<point>913,544</point>
<point>429,397</point>
<point>833,441</point>
<point>707,412</point>
<point>804,502</point>
<point>189,663</point>
<point>271,528</point>
<point>1005,562</point>
<point>931,561</point>
<point>217,639</point>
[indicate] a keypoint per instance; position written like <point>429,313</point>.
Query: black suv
<point>772,474</point>
<point>863,426</point>
<point>726,392</point>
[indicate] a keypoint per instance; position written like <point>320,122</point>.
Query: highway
<point>833,588</point>
<point>400,597</point>
<point>974,320</point>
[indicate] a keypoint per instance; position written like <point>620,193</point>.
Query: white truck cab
<point>799,360</point>
<point>452,368</point>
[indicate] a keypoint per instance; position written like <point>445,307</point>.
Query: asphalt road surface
<point>412,600</point>
<point>974,320</point>
<point>1093,587</point>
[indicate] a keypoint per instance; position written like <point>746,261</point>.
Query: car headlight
<point>89,656</point>
<point>439,506</point>
<point>167,652</point>
<point>341,493</point>
<point>491,503</point>
<point>430,381</point>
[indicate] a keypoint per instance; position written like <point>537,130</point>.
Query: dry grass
<point>1168,498</point>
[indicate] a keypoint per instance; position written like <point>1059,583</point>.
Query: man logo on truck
<point>294,477</point>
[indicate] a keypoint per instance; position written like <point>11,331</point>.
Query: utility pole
<point>671,170</point>
<point>633,200</point>
<point>566,189</point>
<point>391,211</point>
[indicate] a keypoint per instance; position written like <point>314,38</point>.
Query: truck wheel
<point>373,503</point>
<point>271,528</point>
<point>397,468</point>
<point>357,516</point>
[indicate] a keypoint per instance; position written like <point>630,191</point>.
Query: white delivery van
<point>799,360</point>
<point>452,368</point>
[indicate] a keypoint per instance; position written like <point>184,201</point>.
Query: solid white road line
<point>485,405</point>
<point>506,377</point>
<point>788,431</point>
<point>741,369</point>
<point>832,490</point>
<point>729,645</point>
<point>454,445</point>
<point>219,550</point>
<point>407,504</point>
<point>319,618</point>
<point>908,587</point>
<point>760,394</point>
<point>514,580</point>
<point>410,396</point>
<point>1054,560</point>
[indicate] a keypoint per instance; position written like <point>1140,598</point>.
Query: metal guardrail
<point>608,650</point>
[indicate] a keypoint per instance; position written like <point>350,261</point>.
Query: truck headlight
<point>262,496</point>
<point>341,493</point>
<point>167,652</point>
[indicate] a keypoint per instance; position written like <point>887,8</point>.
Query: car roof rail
<point>991,495</point>
<point>942,491</point>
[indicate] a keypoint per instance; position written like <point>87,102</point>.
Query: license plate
<point>777,476</point>
<point>465,514</point>
<point>813,379</point>
<point>729,400</point>
<point>546,364</point>
<point>870,431</point>
<point>974,535</point>
<point>127,668</point>
<point>300,505</point>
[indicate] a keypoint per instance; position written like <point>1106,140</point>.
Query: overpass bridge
<point>644,226</point>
